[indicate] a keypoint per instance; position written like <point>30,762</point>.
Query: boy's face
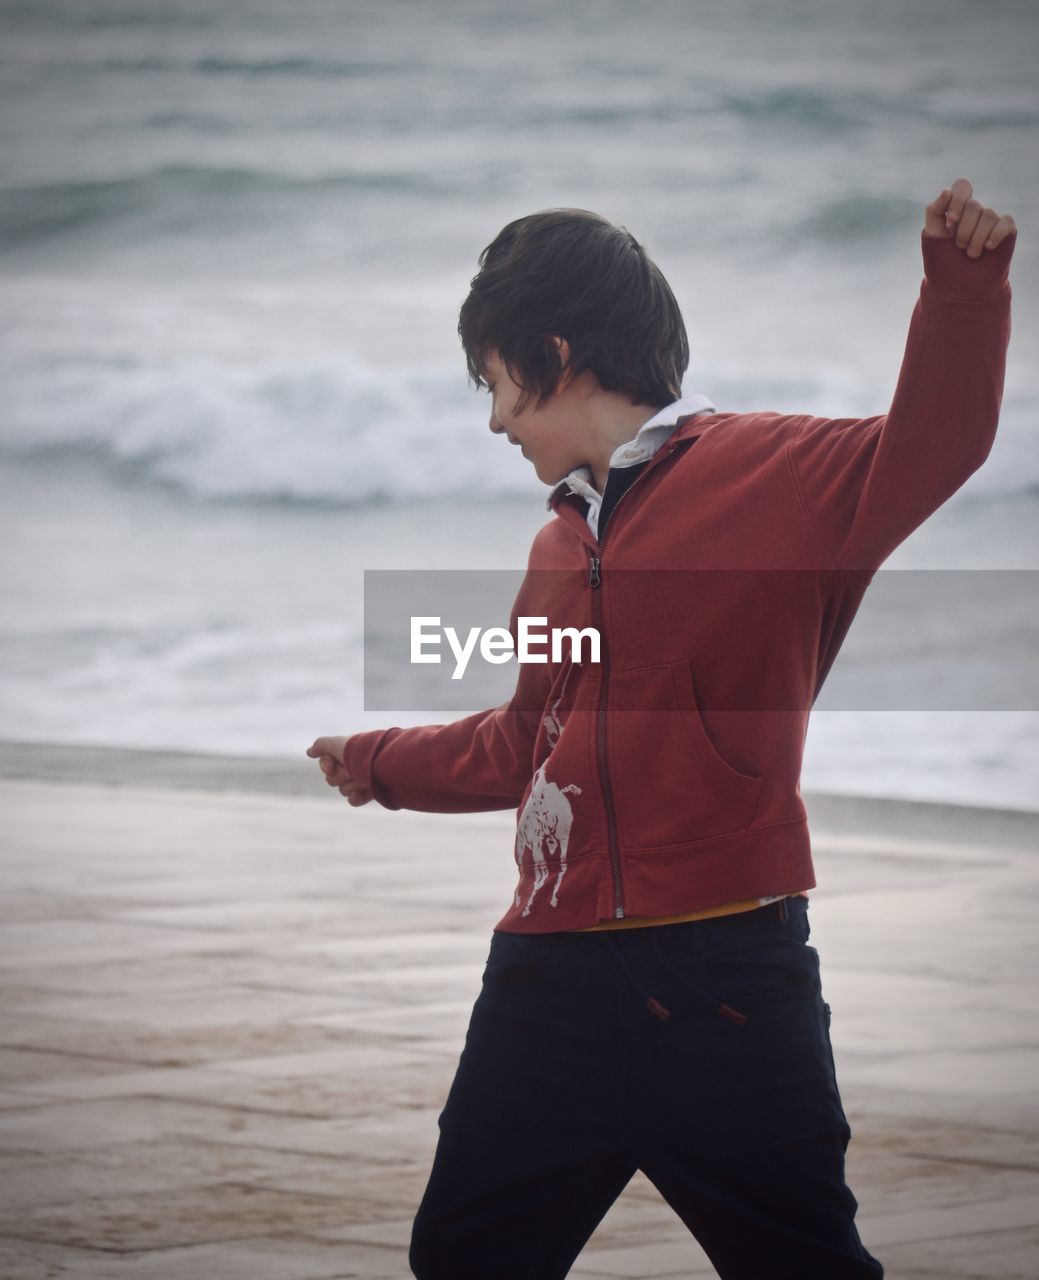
<point>547,435</point>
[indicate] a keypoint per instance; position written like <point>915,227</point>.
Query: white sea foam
<point>343,433</point>
<point>317,432</point>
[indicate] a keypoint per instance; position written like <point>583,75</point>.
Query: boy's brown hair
<point>572,273</point>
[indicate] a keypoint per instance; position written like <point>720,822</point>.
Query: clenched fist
<point>329,754</point>
<point>955,212</point>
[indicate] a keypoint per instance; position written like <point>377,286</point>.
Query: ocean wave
<point>175,193</point>
<point>800,104</point>
<point>192,202</point>
<point>306,68</point>
<point>343,434</point>
<point>855,218</point>
<point>330,433</point>
<point>839,110</point>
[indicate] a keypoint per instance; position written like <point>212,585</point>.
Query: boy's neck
<point>610,421</point>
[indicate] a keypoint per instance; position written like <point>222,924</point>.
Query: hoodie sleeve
<point>867,483</point>
<point>479,763</point>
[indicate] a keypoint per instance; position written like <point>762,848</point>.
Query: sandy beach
<point>232,1008</point>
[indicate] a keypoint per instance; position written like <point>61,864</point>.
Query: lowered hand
<point>329,754</point>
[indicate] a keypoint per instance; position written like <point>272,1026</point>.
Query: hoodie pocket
<point>670,784</point>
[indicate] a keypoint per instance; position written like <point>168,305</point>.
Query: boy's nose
<point>496,426</point>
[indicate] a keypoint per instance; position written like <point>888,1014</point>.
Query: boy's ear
<point>562,350</point>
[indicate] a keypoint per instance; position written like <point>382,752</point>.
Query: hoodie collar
<point>677,420</point>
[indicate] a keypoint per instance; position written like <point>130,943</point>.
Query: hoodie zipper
<point>595,582</point>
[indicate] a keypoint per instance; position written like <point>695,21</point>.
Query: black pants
<point>697,1052</point>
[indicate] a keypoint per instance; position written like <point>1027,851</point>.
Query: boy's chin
<point>550,477</point>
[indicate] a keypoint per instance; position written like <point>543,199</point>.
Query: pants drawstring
<point>655,1007</point>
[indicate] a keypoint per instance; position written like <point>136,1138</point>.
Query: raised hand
<point>955,212</point>
<point>328,752</point>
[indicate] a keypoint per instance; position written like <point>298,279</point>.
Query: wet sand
<point>232,1008</point>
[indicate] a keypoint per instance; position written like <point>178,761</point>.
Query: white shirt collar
<point>646,441</point>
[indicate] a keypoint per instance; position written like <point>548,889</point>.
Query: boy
<point>650,1000</point>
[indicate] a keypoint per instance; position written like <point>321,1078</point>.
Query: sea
<point>233,242</point>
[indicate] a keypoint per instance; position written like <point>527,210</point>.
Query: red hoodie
<point>665,778</point>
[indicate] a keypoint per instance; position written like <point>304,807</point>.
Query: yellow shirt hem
<point>642,922</point>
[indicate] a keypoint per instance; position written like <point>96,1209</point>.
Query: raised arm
<point>868,483</point>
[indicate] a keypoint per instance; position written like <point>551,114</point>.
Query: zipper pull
<point>594,576</point>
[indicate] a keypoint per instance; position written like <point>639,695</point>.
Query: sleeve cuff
<point>359,758</point>
<point>952,276</point>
